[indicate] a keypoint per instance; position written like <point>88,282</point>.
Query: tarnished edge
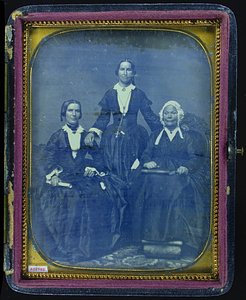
<point>8,40</point>
<point>9,272</point>
<point>16,14</point>
<point>11,214</point>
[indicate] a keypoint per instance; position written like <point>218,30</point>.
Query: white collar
<point>124,96</point>
<point>120,88</point>
<point>170,134</point>
<point>66,128</point>
<point>74,138</point>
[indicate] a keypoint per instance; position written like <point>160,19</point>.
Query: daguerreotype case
<point>120,135</point>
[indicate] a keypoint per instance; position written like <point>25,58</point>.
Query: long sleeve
<point>150,117</point>
<point>104,117</point>
<point>147,155</point>
<point>195,152</point>
<point>103,120</point>
<point>50,153</point>
<point>96,154</point>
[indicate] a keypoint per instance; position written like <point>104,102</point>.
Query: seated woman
<point>171,207</point>
<point>82,209</point>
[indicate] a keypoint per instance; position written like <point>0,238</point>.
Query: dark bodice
<point>58,153</point>
<point>171,155</point>
<point>81,222</point>
<point>172,206</point>
<point>138,101</point>
<point>127,122</point>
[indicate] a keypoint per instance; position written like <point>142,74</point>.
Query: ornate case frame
<point>214,29</point>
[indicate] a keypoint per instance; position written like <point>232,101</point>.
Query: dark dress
<point>173,207</point>
<point>84,220</point>
<point>121,152</point>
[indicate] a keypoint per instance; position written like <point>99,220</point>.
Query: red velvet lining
<point>119,15</point>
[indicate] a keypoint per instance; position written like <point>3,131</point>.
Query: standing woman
<point>81,209</point>
<point>124,141</point>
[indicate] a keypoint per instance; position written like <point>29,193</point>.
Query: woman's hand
<point>182,170</point>
<point>150,165</point>
<point>90,172</point>
<point>89,139</point>
<point>55,180</point>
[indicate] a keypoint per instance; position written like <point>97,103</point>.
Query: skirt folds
<point>122,149</point>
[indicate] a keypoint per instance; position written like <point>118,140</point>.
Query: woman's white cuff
<point>97,131</point>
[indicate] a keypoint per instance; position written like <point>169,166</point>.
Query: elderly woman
<point>124,141</point>
<point>81,208</point>
<point>171,212</point>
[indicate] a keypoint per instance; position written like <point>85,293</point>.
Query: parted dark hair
<point>65,106</point>
<point>125,60</point>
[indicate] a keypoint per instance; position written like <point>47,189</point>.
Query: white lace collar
<point>120,88</point>
<point>124,96</point>
<point>170,134</point>
<point>74,138</point>
<point>79,129</point>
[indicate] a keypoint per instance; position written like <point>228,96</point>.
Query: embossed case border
<point>122,283</point>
